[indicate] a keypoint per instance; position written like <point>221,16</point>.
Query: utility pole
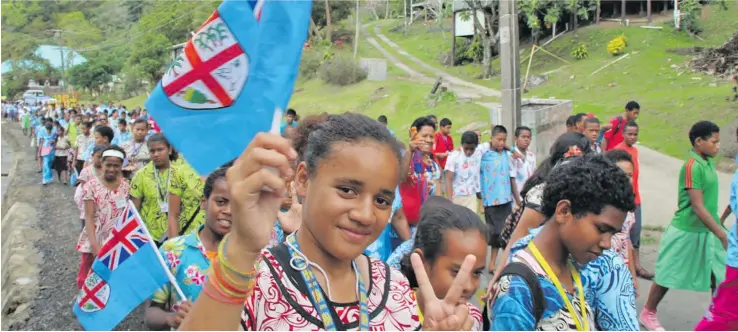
<point>510,67</point>
<point>58,35</point>
<point>356,36</point>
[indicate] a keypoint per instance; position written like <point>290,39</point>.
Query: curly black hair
<point>590,183</point>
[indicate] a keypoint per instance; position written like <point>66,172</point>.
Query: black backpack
<point>531,278</point>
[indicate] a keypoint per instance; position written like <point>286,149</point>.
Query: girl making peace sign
<point>319,279</point>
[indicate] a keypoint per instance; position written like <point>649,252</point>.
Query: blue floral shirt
<point>496,174</point>
<point>189,263</point>
<point>608,291</point>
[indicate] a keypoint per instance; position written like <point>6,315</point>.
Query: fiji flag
<point>233,79</point>
<point>127,270</point>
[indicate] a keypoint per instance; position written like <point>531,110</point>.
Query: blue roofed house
<point>51,53</point>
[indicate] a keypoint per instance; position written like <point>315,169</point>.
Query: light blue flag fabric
<point>232,81</point>
<point>126,272</point>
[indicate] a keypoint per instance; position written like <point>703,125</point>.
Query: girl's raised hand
<point>256,182</point>
<point>449,313</point>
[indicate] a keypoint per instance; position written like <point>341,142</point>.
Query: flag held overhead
<point>238,69</point>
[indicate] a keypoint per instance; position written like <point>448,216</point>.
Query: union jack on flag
<point>126,239</point>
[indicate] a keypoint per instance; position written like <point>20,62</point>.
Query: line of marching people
<point>360,232</point>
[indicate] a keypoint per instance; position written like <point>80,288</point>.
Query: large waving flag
<point>127,270</point>
<point>233,79</point>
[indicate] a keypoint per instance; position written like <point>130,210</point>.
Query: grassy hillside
<point>671,95</point>
<point>401,101</point>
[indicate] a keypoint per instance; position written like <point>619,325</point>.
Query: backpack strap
<point>282,255</point>
<point>531,278</point>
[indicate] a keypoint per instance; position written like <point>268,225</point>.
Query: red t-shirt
<point>633,151</point>
<point>442,143</point>
<point>614,138</point>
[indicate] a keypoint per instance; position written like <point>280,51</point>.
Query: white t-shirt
<point>466,172</point>
<point>524,168</point>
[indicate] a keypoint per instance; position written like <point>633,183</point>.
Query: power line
<point>113,43</point>
<point>128,40</point>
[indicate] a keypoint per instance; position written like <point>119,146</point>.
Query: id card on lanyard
<point>163,196</point>
<point>316,294</point>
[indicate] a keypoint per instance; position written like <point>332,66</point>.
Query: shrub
<point>616,46</point>
<point>342,71</point>
<point>580,51</point>
<point>310,64</point>
<point>468,50</point>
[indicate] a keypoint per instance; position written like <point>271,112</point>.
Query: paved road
<point>680,310</point>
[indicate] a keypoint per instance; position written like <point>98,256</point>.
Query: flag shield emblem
<point>94,294</point>
<point>211,71</point>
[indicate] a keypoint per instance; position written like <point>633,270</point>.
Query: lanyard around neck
<point>560,288</point>
<point>162,196</point>
<point>299,262</point>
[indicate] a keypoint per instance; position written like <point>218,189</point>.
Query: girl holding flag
<point>346,178</point>
<point>189,257</point>
<point>105,199</point>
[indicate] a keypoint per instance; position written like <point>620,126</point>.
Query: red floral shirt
<point>278,305</point>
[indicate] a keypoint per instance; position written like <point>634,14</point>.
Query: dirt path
<point>59,227</point>
<point>463,89</point>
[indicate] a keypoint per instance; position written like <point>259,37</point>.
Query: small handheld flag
<point>127,270</point>
<point>236,71</point>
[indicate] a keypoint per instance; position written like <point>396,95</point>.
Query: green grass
<point>401,101</point>
<point>671,98</point>
<point>137,101</point>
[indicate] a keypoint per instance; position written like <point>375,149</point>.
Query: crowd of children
<point>359,232</point>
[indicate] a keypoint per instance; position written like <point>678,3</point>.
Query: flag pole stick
<point>172,280</point>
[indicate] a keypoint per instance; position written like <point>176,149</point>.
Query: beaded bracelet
<point>224,260</point>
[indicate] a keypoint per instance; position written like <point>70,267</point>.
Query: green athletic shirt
<point>700,174</point>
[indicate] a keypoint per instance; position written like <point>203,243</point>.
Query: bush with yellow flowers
<point>617,45</point>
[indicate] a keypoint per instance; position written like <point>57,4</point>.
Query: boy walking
<point>497,188</point>
<point>592,131</point>
<point>443,145</point>
<point>462,172</point>
<point>692,249</point>
<point>630,137</point>
<point>614,130</point>
<point>523,167</point>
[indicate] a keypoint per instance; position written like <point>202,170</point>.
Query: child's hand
<point>449,313</point>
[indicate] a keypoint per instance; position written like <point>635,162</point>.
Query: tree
<point>77,32</point>
<point>30,68</point>
<point>328,21</point>
<point>486,30</point>
<point>149,54</point>
<point>90,75</point>
<point>324,12</point>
